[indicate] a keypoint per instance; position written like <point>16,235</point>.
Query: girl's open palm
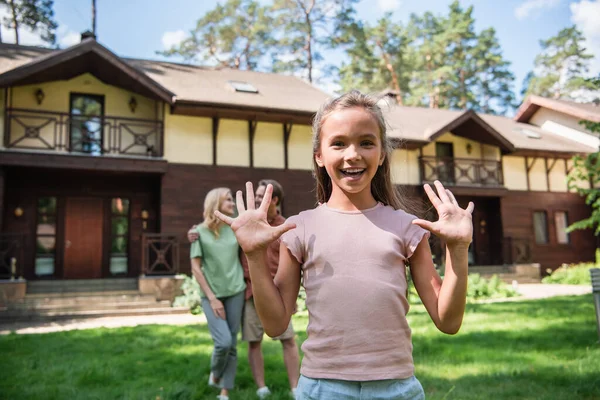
<point>454,224</point>
<point>251,227</point>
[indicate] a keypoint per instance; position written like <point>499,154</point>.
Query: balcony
<point>461,171</point>
<point>95,136</point>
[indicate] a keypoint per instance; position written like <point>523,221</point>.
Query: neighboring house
<point>105,162</point>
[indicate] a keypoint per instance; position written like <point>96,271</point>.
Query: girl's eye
<point>367,143</point>
<point>337,143</point>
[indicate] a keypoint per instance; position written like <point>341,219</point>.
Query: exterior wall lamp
<point>18,212</point>
<point>133,104</point>
<point>145,215</point>
<point>469,148</point>
<point>39,96</point>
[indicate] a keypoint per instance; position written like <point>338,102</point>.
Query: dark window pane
<point>47,205</point>
<point>86,123</point>
<point>540,227</point>
<point>120,226</point>
<point>120,206</point>
<point>562,222</point>
<point>45,245</point>
<point>119,245</point>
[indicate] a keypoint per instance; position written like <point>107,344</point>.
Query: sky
<point>139,28</point>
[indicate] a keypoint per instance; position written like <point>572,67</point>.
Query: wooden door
<point>481,233</point>
<point>83,238</point>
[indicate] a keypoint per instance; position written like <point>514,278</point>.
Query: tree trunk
<point>463,95</point>
<point>390,67</point>
<point>94,17</point>
<point>13,7</point>
<point>309,57</point>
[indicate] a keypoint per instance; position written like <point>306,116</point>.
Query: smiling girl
<point>351,252</point>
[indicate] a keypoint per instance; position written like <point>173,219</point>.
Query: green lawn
<point>546,349</point>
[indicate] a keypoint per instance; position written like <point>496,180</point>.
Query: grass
<point>545,349</point>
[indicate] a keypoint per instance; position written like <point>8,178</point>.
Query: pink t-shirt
<point>355,280</point>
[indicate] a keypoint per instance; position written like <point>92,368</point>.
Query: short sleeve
<point>196,248</point>
<point>414,235</point>
<point>294,238</point>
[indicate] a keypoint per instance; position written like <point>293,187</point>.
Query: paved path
<point>528,291</point>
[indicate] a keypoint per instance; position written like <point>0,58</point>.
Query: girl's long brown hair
<point>382,188</point>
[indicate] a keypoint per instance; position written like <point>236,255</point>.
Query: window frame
<point>547,242</point>
<point>566,214</point>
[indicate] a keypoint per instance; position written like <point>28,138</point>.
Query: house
<point>105,162</point>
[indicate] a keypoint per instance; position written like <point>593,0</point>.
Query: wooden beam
<point>251,133</point>
<point>547,174</point>
<point>527,168</point>
<point>215,132</point>
<point>287,131</point>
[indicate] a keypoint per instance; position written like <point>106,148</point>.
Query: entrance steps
<point>522,273</point>
<point>55,300</point>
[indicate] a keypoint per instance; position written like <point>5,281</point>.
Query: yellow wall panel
<point>537,175</point>
<point>460,147</point>
<point>558,176</point>
<point>268,145</point>
<point>188,140</point>
<point>300,154</point>
<point>233,143</point>
<point>515,173</point>
<point>405,167</point>
<point>116,100</point>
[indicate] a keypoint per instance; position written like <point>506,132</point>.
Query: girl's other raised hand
<point>251,227</point>
<point>454,224</point>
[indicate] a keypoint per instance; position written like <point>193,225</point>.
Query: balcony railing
<point>516,250</point>
<point>63,132</point>
<point>160,254</point>
<point>461,171</point>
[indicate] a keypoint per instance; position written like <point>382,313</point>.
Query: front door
<point>83,238</point>
<point>445,162</point>
<point>481,234</point>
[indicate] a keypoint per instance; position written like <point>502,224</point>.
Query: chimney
<point>87,35</point>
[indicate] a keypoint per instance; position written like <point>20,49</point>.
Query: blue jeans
<point>333,389</point>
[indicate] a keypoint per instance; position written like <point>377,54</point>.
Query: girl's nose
<point>352,153</point>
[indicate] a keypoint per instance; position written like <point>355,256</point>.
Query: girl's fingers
<point>266,201</point>
<point>423,223</point>
<point>442,192</point>
<point>228,220</point>
<point>250,196</point>
<point>452,198</point>
<point>470,207</point>
<point>283,228</point>
<point>432,196</point>
<point>239,201</point>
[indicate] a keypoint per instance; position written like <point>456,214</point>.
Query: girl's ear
<point>319,160</point>
<point>382,158</point>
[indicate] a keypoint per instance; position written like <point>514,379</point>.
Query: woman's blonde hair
<point>382,188</point>
<point>212,202</point>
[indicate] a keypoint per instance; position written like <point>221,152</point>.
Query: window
<point>529,133</point>
<point>119,235</point>
<point>45,249</point>
<point>87,113</point>
<point>239,86</point>
<point>445,162</point>
<point>540,227</point>
<point>562,222</point>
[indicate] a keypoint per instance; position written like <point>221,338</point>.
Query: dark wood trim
<point>567,169</point>
<point>229,111</point>
<point>68,161</point>
<point>526,159</point>
<point>215,133</point>
<point>251,134</point>
<point>547,174</point>
<point>478,192</point>
<point>549,170</point>
<point>544,153</point>
<point>6,138</point>
<point>287,132</point>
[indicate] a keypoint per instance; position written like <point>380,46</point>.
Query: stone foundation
<point>162,287</point>
<point>11,290</point>
<point>528,270</point>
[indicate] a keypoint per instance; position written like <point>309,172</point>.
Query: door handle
<point>67,244</point>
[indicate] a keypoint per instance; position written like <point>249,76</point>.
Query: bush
<point>191,295</point>
<point>572,274</point>
<point>478,288</point>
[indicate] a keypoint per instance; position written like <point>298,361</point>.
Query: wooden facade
<point>156,164</point>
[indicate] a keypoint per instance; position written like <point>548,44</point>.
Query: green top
<point>220,260</point>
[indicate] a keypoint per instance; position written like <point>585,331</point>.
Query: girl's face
<point>351,150</point>
<point>227,205</point>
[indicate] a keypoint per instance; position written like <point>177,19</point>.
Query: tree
<point>36,15</point>
<point>236,34</point>
<point>560,67</point>
<point>305,28</point>
<point>587,169</point>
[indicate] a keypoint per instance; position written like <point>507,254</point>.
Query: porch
<point>469,172</point>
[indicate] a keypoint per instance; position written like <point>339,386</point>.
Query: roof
<point>583,111</point>
<point>426,124</point>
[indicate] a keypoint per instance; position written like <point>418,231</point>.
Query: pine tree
<point>37,15</point>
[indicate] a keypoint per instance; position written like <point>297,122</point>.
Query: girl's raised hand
<point>454,224</point>
<point>251,228</point>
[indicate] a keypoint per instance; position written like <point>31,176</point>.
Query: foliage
<point>559,68</point>
<point>37,15</point>
<point>236,34</point>
<point>537,349</point>
<point>572,274</point>
<point>191,295</point>
<point>478,288</point>
<point>584,177</point>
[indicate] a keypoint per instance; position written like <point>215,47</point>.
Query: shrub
<point>191,295</point>
<point>571,274</point>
